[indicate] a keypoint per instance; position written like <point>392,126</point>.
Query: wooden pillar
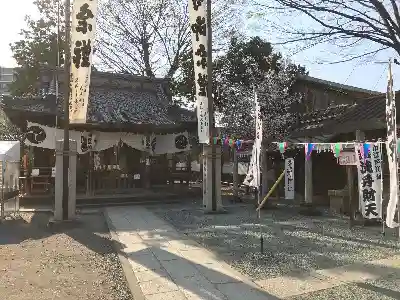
<point>29,170</point>
<point>308,179</point>
<point>235,175</point>
<point>189,166</point>
<point>360,136</point>
<point>201,162</point>
<point>170,159</point>
<point>350,186</point>
<point>146,173</point>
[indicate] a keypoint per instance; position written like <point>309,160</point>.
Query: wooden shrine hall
<point>330,182</point>
<point>134,136</point>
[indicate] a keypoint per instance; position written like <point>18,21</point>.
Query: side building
<point>6,78</point>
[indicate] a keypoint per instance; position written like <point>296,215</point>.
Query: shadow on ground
<point>292,243</point>
<point>90,230</point>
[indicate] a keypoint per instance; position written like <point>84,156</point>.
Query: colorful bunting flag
<point>308,149</point>
<point>282,147</point>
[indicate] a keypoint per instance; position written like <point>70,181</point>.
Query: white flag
<point>198,26</point>
<point>83,32</point>
<point>391,150</point>
<point>258,142</point>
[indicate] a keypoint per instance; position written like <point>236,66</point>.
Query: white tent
<point>10,156</point>
<point>10,151</point>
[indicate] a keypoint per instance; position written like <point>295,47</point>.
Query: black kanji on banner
<point>82,16</point>
<point>368,195</point>
<point>200,27</point>
<point>202,53</point>
<point>82,51</point>
<point>370,208</point>
<point>202,81</point>
<point>197,4</point>
<point>367,180</point>
<point>366,167</point>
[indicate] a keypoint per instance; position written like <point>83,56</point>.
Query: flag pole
<point>211,109</point>
<point>67,62</point>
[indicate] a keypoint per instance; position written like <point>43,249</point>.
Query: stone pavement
<point>167,265</point>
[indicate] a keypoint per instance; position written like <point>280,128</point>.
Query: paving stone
<point>240,291</point>
<point>130,237</point>
<point>148,275</point>
<point>176,295</point>
<point>216,273</point>
<point>185,245</point>
<point>200,256</point>
<point>136,249</point>
<point>199,288</point>
<point>144,262</point>
<point>158,285</point>
<point>180,268</point>
<point>166,254</point>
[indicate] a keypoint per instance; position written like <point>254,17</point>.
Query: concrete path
<point>166,265</point>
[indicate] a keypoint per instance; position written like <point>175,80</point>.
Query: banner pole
<point>67,63</point>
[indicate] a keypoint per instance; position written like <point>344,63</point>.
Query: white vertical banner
<point>83,32</point>
<point>198,25</point>
<point>289,178</point>
<point>258,143</point>
<point>249,180</point>
<point>369,186</point>
<point>391,150</point>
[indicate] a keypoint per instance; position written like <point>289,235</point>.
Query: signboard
<point>347,158</point>
<point>289,178</point>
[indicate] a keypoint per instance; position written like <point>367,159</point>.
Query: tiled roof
<point>337,86</point>
<point>366,114</point>
<point>115,106</point>
<point>311,124</point>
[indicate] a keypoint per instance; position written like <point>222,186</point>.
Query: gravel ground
<point>77,263</point>
<point>387,288</point>
<point>291,242</point>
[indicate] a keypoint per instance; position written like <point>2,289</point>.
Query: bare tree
<point>151,37</point>
<point>346,23</point>
<point>276,100</point>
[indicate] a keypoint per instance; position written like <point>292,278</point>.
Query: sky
<point>364,74</point>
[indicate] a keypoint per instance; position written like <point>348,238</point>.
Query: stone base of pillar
<point>61,225</point>
<point>207,181</point>
<point>307,209</point>
<point>59,181</point>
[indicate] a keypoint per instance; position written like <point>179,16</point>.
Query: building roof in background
<point>337,86</point>
<point>312,124</point>
<point>115,105</point>
<point>366,114</point>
